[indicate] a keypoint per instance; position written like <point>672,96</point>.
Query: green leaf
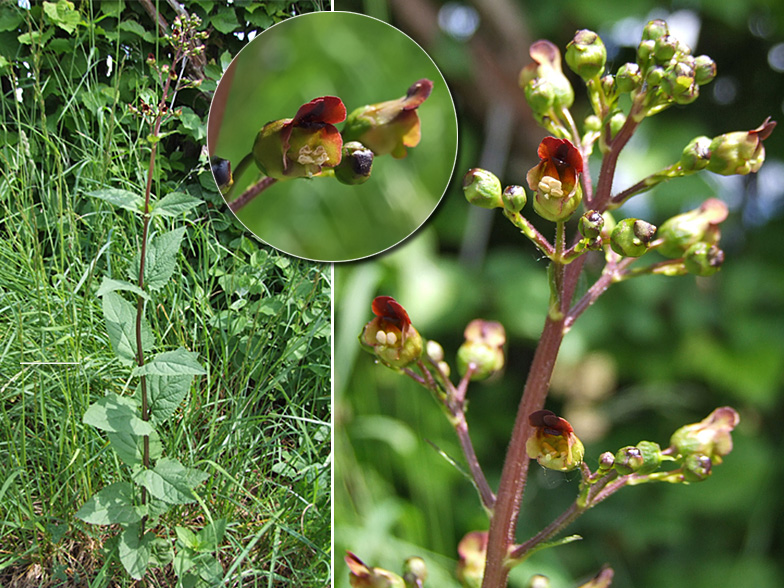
<point>193,122</point>
<point>63,15</point>
<point>165,394</point>
<point>115,413</point>
<point>110,285</point>
<point>174,204</point>
<point>130,447</point>
<point>171,481</point>
<point>211,536</point>
<point>225,21</point>
<point>179,362</point>
<point>112,505</point>
<point>135,553</point>
<point>161,259</point>
<point>120,316</point>
<point>10,17</point>
<point>122,198</point>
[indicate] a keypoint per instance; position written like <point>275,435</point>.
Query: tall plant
<point>665,73</point>
<point>156,482</point>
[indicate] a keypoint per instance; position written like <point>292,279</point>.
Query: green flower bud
<point>704,70</point>
<point>679,80</point>
<point>390,335</point>
<point>472,551</point>
<point>586,54</point>
<point>356,164</point>
<point>654,30</point>
<point>696,154</point>
<point>553,443</point>
<point>539,581</point>
<point>608,84</point>
<point>628,78</point>
<point>703,259</point>
<point>630,237</point>
<point>628,460</point>
<point>680,232</point>
<point>482,188</point>
<point>606,461</point>
<point>591,224</point>
<point>645,52</point>
<point>696,468</point>
<point>664,49</point>
<point>514,198</point>
<point>651,457</point>
<point>434,350</point>
<point>592,123</point>
<point>617,121</point>
<point>609,225</point>
<point>740,152</point>
<point>549,87</point>
<point>655,76</point>
<point>415,572</point>
<point>363,576</point>
<point>711,437</point>
<point>483,349</point>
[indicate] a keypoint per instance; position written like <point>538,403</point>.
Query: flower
<point>545,85</point>
<point>391,126</point>
<point>556,179</point>
<point>711,437</point>
<point>483,349</point>
<point>390,336</point>
<point>740,152</point>
<point>472,552</point>
<point>362,576</point>
<point>553,443</point>
<point>301,146</point>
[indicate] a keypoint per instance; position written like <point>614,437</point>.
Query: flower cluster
<point>310,142</point>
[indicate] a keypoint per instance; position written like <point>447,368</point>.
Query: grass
<point>259,422</point>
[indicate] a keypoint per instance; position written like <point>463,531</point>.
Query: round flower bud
<point>544,82</point>
<point>630,237</point>
<point>617,121</point>
<point>628,460</point>
<point>356,164</point>
<point>591,224</point>
<point>703,259</point>
<point>472,552</point>
<point>414,572</point>
<point>586,54</point>
<point>482,188</point>
<point>606,461</point>
<point>514,198</point>
<point>696,154</point>
<point>704,70</point>
<point>628,78</point>
<point>593,123</point>
<point>655,76</point>
<point>645,53</point>
<point>651,457</point>
<point>664,49</point>
<point>696,468</point>
<point>654,30</point>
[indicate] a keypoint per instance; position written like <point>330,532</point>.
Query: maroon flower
<point>390,335</point>
<point>303,145</point>
<point>556,179</point>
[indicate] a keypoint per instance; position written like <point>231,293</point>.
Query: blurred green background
<point>362,61</point>
<point>651,355</point>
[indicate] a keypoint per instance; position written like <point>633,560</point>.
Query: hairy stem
<point>249,194</point>
<point>515,471</point>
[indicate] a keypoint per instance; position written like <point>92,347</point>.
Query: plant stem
<point>515,471</point>
<point>249,194</point>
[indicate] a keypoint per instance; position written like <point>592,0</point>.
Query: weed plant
<point>257,423</point>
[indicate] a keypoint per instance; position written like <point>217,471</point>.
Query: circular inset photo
<point>333,136</point>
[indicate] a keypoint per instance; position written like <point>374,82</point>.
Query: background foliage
<point>259,321</point>
<point>651,355</point>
